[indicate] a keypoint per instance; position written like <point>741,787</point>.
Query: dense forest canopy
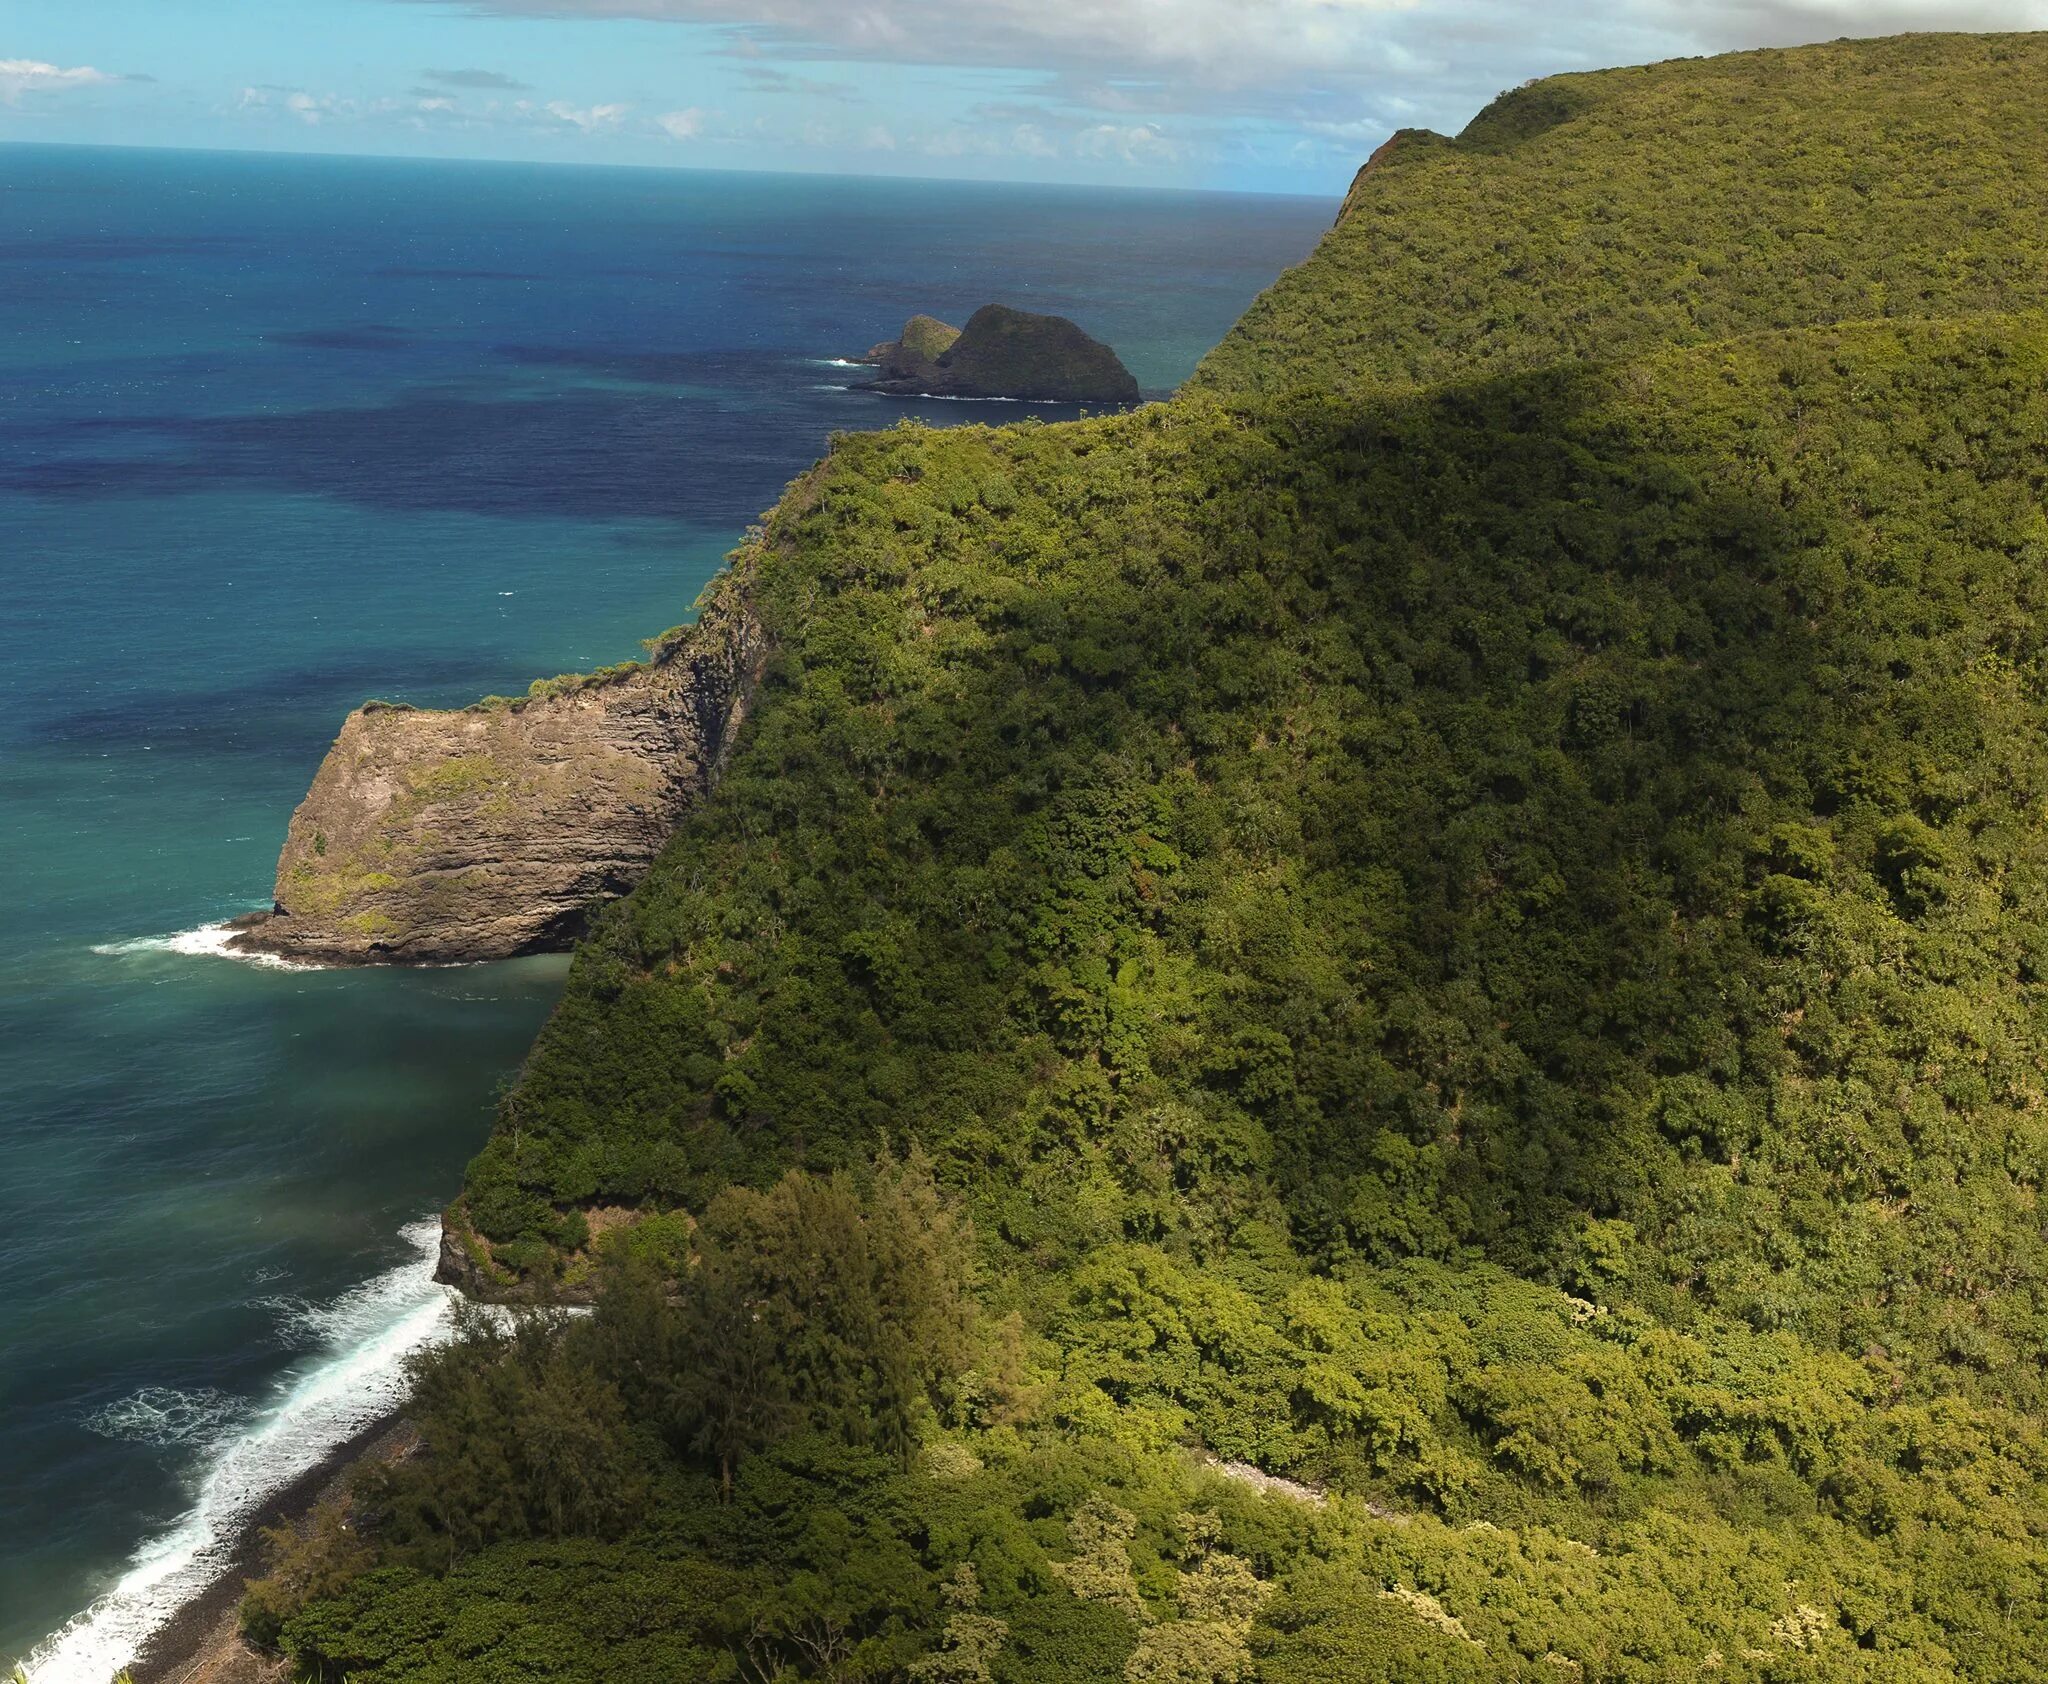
<point>1458,915</point>
<point>1671,204</point>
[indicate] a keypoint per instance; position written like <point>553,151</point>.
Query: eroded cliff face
<point>433,837</point>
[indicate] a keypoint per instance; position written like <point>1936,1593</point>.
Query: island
<point>1001,353</point>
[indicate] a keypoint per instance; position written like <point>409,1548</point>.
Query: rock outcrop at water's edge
<point>461,1264</point>
<point>1001,353</point>
<point>914,352</point>
<point>439,837</point>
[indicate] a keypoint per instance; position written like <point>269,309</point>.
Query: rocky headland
<point>433,837</point>
<point>441,837</point>
<point>1001,353</point>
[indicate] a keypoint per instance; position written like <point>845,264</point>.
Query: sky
<point>1275,96</point>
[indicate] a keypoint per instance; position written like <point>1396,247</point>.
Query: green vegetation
<point>1014,353</point>
<point>1002,353</point>
<point>926,338</point>
<point>1671,204</point>
<point>444,780</point>
<point>562,684</point>
<point>1459,914</point>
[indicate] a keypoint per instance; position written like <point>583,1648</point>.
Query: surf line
<point>358,1379</point>
<point>208,941</point>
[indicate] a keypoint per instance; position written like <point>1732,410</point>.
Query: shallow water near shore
<point>352,1378</point>
<point>277,435</point>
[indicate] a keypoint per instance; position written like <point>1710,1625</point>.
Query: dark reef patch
<point>371,336</point>
<point>284,714</point>
<point>410,272</point>
<point>115,248</point>
<point>581,451</point>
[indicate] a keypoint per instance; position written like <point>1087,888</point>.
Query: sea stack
<point>1001,353</point>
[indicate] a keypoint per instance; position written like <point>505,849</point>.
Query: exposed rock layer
<point>462,1261</point>
<point>433,837</point>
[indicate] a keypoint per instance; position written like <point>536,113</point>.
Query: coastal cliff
<point>435,837</point>
<point>1453,915</point>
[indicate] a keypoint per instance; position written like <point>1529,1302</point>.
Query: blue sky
<point>1259,95</point>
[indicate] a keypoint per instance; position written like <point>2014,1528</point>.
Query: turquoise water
<point>277,435</point>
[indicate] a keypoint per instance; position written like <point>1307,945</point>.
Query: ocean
<point>277,435</point>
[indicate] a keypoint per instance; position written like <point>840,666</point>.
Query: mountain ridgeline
<point>1457,914</point>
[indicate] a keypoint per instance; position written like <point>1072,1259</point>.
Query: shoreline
<point>201,1642</point>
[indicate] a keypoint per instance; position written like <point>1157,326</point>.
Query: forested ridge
<point>1458,914</point>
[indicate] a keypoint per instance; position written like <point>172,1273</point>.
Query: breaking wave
<point>252,1452</point>
<point>209,941</point>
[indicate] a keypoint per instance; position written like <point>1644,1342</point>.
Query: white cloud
<point>1224,40</point>
<point>1352,135</point>
<point>1302,33</point>
<point>1139,144</point>
<point>307,108</point>
<point>589,118</point>
<point>424,110</point>
<point>20,76</point>
<point>1028,140</point>
<point>1159,88</point>
<point>1754,23</point>
<point>1377,63</point>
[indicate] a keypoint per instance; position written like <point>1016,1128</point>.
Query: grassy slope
<point>928,338</point>
<point>1464,905</point>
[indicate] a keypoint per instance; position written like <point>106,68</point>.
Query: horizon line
<point>314,156</point>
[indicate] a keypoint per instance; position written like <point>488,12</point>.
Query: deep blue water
<point>277,435</point>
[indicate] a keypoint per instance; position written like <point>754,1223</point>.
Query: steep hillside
<point>1459,914</point>
<point>1673,204</point>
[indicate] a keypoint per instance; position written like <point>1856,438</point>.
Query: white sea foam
<point>164,1416</point>
<point>209,941</point>
<point>936,397</point>
<point>839,362</point>
<point>358,1378</point>
<point>940,397</point>
<point>300,1322</point>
